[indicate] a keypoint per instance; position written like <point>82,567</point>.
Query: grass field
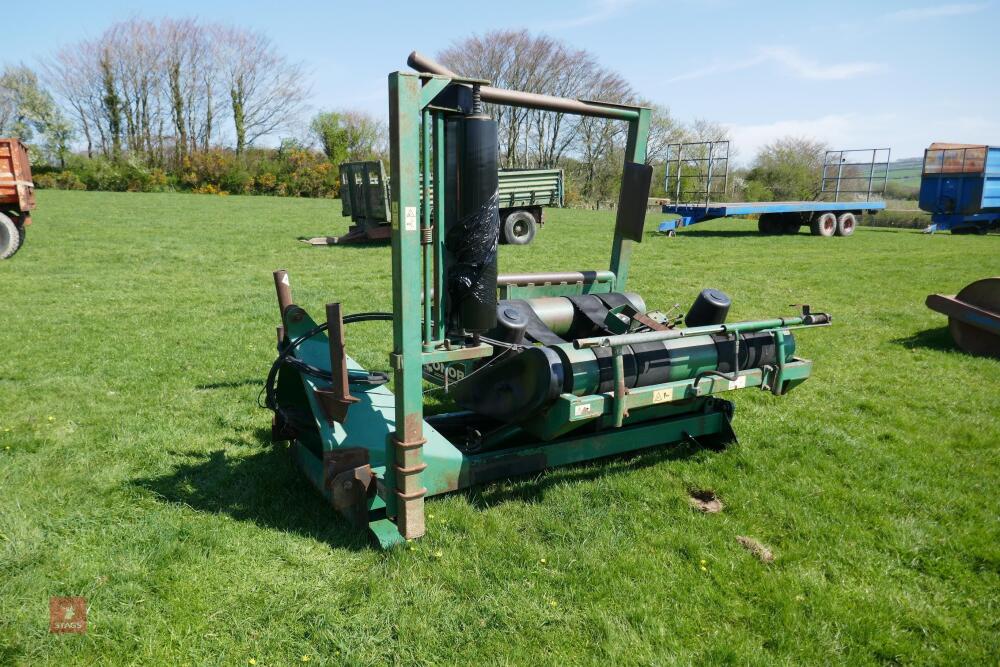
<point>136,470</point>
<point>907,173</point>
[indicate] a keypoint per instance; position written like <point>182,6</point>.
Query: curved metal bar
<point>518,98</point>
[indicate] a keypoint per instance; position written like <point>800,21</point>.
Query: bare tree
<point>266,90</point>
<point>152,89</point>
<point>664,130</point>
<point>190,73</point>
<point>532,138</point>
<point>538,64</point>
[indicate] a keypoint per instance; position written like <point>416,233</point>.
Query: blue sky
<point>855,74</point>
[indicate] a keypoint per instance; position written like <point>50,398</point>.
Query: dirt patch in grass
<point>762,553</point>
<point>706,501</point>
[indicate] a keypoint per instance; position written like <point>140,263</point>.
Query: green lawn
<point>136,469</point>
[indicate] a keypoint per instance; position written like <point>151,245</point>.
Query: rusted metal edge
<point>966,312</point>
<point>415,495</point>
<point>412,444</point>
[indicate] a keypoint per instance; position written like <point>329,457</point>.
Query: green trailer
<point>364,196</point>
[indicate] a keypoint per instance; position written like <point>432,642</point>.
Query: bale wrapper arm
<point>547,369</point>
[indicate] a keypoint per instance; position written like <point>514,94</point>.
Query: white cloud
<point>601,10</point>
<point>790,60</point>
<point>810,69</point>
<point>907,133</point>
<point>840,131</point>
<point>937,11</point>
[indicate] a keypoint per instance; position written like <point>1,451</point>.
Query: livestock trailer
<point>960,187</point>
<point>17,196</point>
<point>364,196</point>
<point>850,185</point>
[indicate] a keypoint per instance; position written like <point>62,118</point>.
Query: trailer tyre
<point>846,223</point>
<point>519,228</point>
<point>790,223</point>
<point>824,224</point>
<point>768,224</point>
<point>10,237</point>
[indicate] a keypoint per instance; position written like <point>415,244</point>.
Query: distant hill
<point>905,172</point>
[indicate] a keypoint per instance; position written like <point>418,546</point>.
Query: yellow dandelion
<point>438,554</point>
<point>251,661</point>
<point>430,516</point>
<point>52,419</point>
<point>306,658</point>
<point>542,561</point>
<point>553,603</point>
<point>704,569</point>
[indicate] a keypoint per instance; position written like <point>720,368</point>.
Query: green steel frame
<point>398,457</point>
<point>416,128</point>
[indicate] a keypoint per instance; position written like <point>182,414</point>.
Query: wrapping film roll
<point>471,235</point>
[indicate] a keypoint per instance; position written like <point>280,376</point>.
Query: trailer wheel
<point>846,223</point>
<point>768,223</point>
<point>790,223</point>
<point>824,224</point>
<point>519,228</point>
<point>10,237</point>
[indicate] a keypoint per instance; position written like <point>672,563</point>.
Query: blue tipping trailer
<point>960,187</point>
<point>851,178</point>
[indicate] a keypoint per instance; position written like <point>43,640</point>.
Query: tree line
<point>183,104</point>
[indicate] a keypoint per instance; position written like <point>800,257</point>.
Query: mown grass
<point>135,467</point>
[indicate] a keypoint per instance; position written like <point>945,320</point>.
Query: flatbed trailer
<point>694,172</point>
<point>825,218</point>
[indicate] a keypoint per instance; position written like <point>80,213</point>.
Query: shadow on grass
<point>720,233</point>
<point>232,384</point>
<point>264,488</point>
<point>351,245</point>
<point>267,489</point>
<point>938,338</point>
<point>532,488</point>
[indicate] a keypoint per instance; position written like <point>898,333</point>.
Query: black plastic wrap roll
<point>711,307</point>
<point>472,232</point>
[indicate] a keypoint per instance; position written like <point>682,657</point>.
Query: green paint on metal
<point>479,468</point>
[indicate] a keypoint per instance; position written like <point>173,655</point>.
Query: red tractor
<point>17,195</point>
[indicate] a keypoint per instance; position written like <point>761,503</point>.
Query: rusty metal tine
<point>284,290</point>
<point>338,360</point>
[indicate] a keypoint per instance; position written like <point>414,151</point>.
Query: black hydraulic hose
<point>285,358</point>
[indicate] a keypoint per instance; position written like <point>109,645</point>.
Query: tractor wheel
<point>10,237</point>
<point>768,223</point>
<point>519,228</point>
<point>824,224</point>
<point>983,294</point>
<point>846,222</point>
